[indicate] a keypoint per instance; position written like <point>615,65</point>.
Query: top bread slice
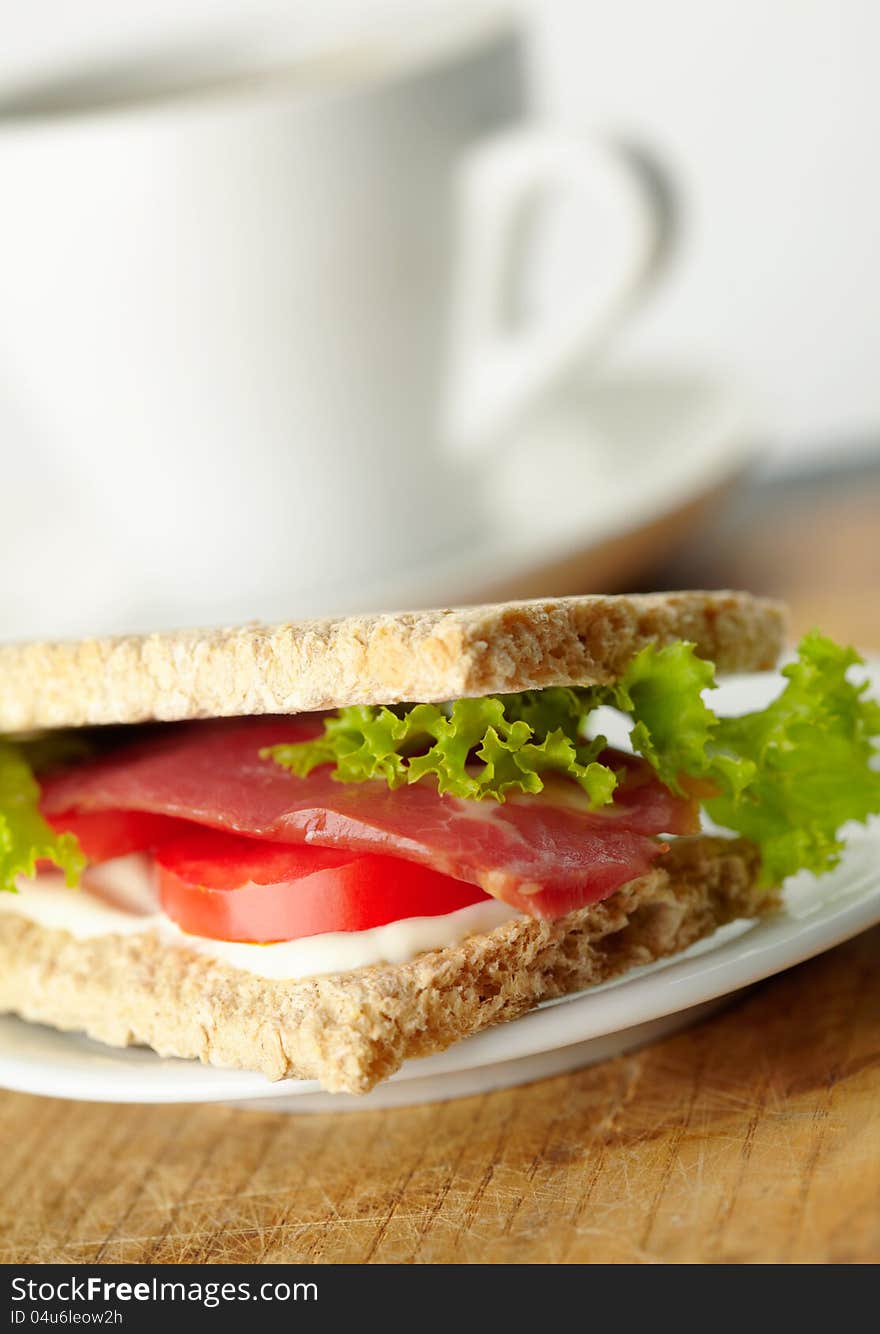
<point>375,659</point>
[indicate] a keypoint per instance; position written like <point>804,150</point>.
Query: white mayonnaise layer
<point>338,951</point>
<point>119,898</point>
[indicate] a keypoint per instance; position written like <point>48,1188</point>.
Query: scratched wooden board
<point>753,1137</point>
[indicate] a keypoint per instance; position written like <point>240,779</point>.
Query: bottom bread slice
<point>351,1030</point>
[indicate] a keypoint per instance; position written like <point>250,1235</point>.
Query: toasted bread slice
<point>380,659</point>
<point>351,1030</point>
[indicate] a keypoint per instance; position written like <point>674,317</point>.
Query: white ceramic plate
<point>562,1035</point>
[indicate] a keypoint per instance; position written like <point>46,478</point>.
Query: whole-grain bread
<point>393,658</point>
<point>350,1030</point>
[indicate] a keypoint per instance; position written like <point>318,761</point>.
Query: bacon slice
<point>545,855</point>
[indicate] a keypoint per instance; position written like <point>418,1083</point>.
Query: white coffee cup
<point>252,309</point>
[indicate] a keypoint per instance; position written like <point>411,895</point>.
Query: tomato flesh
<point>231,888</point>
<point>103,835</point>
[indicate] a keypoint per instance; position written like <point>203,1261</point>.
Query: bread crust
<point>393,658</point>
<point>351,1030</point>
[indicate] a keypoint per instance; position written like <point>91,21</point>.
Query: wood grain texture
<point>753,1137</point>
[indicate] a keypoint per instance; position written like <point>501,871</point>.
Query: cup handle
<point>496,369</point>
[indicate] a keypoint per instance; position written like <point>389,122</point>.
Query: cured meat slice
<point>545,854</point>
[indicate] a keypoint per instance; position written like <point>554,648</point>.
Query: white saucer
<point>562,1035</point>
<point>594,487</point>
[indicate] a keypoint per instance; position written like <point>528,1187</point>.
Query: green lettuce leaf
<point>25,837</point>
<point>675,730</point>
<point>787,777</point>
<point>474,748</point>
<point>812,752</point>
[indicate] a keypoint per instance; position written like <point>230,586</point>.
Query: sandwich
<point>318,850</point>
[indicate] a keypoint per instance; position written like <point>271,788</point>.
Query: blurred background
<point>419,361</point>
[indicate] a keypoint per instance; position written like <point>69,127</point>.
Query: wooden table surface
<point>752,1137</point>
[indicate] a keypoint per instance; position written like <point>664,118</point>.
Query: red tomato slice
<point>231,888</point>
<point>106,834</point>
